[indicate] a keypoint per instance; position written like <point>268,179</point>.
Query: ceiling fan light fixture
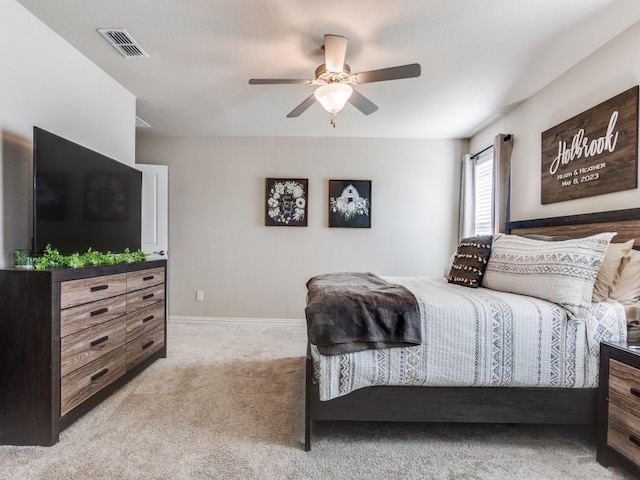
<point>333,78</point>
<point>333,96</point>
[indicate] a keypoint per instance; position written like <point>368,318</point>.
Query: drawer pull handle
<point>635,391</point>
<point>147,345</point>
<point>99,311</point>
<point>635,440</point>
<point>97,288</point>
<point>146,319</point>
<point>101,373</point>
<point>150,277</point>
<point>100,340</point>
<point>148,296</point>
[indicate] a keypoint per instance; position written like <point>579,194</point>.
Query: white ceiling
<point>479,58</point>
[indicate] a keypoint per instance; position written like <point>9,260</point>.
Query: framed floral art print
<point>350,203</point>
<point>286,202</point>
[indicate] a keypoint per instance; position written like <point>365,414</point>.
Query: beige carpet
<point>228,404</point>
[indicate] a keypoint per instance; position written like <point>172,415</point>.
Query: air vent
<point>123,42</point>
<point>141,123</point>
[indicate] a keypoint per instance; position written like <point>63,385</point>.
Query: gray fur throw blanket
<point>351,312</point>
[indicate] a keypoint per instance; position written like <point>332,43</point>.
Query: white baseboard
<point>262,321</point>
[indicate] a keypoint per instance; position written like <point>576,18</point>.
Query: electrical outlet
<point>200,296</point>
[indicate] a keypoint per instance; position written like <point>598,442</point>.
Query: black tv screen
<point>82,199</point>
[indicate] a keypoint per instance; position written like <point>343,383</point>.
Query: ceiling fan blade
<point>299,110</point>
<point>279,81</point>
<point>391,73</point>
<point>335,50</point>
<point>362,103</point>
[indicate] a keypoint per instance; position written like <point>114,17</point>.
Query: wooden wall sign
<point>593,153</point>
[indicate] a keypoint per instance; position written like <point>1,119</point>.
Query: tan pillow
<point>607,273</point>
<point>626,286</point>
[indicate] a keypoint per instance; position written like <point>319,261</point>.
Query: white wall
<point>46,82</point>
<point>611,70</point>
<point>218,242</point>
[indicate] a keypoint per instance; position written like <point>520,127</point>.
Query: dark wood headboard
<point>625,222</point>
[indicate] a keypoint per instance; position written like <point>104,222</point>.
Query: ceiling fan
<point>334,80</point>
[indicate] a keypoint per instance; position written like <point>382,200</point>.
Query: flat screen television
<point>82,199</point>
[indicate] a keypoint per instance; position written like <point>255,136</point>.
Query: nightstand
<point>619,405</point>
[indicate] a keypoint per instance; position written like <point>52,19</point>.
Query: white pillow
<point>447,268</point>
<point>559,272</point>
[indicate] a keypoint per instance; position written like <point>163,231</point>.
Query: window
<point>483,193</point>
<point>486,189</point>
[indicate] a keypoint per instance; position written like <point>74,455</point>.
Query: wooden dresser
<point>69,338</point>
<point>619,405</point>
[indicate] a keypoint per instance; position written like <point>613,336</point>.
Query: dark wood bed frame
<point>478,404</point>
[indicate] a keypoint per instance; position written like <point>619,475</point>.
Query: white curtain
<point>467,196</point>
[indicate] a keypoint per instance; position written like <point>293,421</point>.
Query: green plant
<point>51,258</point>
<point>93,258</point>
<point>74,261</point>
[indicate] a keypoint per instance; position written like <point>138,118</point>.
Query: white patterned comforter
<point>480,338</point>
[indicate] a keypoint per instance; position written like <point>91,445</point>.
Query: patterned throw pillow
<point>608,270</point>
<point>470,261</point>
<point>559,272</point>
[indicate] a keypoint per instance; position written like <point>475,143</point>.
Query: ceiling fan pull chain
<point>333,120</point>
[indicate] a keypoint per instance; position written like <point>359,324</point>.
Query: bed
<point>463,402</point>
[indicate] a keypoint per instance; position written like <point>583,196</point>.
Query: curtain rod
<point>475,155</point>
<point>506,138</point>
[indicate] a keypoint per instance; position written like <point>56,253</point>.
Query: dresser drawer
<point>624,386</point>
<point>623,433</point>
<point>144,278</point>
<point>87,345</point>
<point>78,318</point>
<point>76,387</point>
<point>85,290</point>
<point>145,297</point>
<point>145,320</point>
<point>143,346</point>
